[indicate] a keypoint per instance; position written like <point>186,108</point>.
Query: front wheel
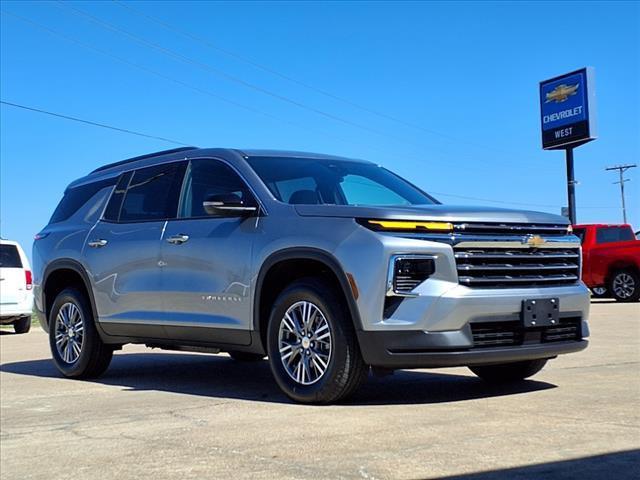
<point>23,325</point>
<point>599,292</point>
<point>509,372</point>
<point>76,347</point>
<point>313,350</point>
<point>624,286</point>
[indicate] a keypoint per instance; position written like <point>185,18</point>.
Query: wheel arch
<point>619,265</point>
<point>275,262</point>
<point>61,274</point>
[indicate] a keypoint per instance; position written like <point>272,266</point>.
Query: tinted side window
<point>153,193</point>
<point>75,198</point>
<point>613,234</point>
<point>9,257</point>
<point>210,177</point>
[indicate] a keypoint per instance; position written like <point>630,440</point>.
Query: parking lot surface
<point>158,414</point>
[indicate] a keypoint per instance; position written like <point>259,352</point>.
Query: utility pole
<point>571,186</point>
<point>621,169</point>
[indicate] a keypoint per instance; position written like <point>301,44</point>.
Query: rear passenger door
<point>123,251</point>
<point>207,260</point>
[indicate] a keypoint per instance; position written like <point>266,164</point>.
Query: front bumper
<point>419,349</point>
<point>436,328</point>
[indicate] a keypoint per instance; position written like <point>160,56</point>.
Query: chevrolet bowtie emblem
<point>533,241</point>
<point>561,93</point>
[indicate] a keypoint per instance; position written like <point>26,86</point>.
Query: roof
<point>113,169</point>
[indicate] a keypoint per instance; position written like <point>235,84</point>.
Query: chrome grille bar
<point>517,268</point>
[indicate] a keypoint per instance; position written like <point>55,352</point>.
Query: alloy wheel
<point>305,342</point>
<point>624,285</point>
<point>69,332</point>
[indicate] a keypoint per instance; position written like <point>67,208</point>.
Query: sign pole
<point>571,186</point>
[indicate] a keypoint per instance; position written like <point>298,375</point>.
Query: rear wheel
<point>509,372</point>
<point>76,347</point>
<point>313,350</point>
<point>23,325</point>
<point>624,286</point>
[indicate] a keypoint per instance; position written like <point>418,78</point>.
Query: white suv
<point>16,295</point>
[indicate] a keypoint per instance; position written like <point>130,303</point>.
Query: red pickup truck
<point>610,260</point>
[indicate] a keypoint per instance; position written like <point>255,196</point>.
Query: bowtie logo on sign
<point>561,93</point>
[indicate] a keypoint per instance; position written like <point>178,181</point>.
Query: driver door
<point>207,260</point>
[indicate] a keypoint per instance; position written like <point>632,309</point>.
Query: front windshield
<point>312,181</point>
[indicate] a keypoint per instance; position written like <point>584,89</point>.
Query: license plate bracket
<point>540,312</point>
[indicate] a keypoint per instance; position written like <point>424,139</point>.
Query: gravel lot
<point>173,415</point>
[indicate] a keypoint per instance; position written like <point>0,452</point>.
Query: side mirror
<point>227,205</point>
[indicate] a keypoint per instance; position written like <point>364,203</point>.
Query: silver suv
<point>327,265</point>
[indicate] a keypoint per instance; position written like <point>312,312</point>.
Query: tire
<point>71,321</point>
<point>599,292</point>
<point>624,286</point>
<point>23,325</point>
<point>509,372</point>
<point>334,367</point>
<point>246,356</point>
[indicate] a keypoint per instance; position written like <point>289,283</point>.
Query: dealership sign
<point>567,109</point>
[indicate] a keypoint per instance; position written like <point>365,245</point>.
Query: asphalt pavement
<point>164,415</point>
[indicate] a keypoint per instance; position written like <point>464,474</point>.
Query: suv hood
<point>449,213</point>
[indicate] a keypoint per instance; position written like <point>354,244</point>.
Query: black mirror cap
<point>227,205</point>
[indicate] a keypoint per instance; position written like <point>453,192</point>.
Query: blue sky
<point>454,88</point>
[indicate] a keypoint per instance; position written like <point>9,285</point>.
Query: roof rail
<point>142,157</point>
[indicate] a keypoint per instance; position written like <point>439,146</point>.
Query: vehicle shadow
<point>222,377</point>
<point>615,465</point>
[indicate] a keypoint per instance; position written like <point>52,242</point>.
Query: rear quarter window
<point>613,234</point>
<point>75,198</point>
<point>9,257</point>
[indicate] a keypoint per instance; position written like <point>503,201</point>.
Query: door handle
<point>97,243</point>
<point>178,239</point>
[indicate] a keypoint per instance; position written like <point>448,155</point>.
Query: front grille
<point>498,334</point>
<point>517,267</point>
<point>568,330</point>
<point>508,334</point>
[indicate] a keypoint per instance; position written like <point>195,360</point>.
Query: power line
<point>165,77</point>
<point>220,73</point>
<point>90,122</point>
<point>288,78</point>
<point>216,71</point>
<point>174,80</point>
